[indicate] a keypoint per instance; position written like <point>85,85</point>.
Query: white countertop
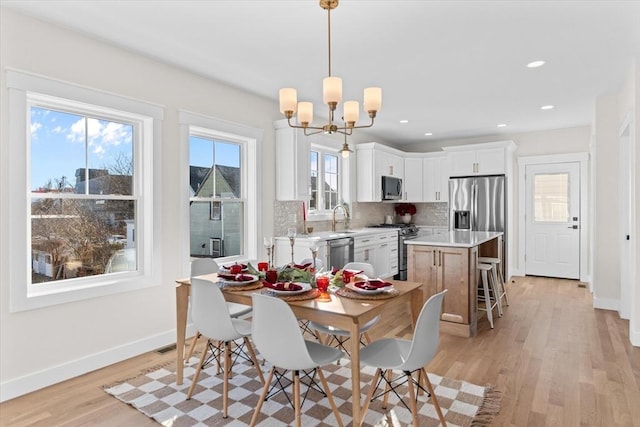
<point>459,239</point>
<point>330,235</point>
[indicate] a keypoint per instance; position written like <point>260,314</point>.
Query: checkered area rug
<point>156,395</point>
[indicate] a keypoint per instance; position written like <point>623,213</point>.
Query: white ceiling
<point>453,68</point>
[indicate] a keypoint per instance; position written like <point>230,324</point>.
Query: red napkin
<point>228,266</point>
<point>283,286</point>
<point>235,277</point>
<point>372,284</point>
<point>302,266</point>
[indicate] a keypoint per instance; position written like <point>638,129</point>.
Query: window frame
<point>322,149</point>
<point>27,89</point>
<point>251,138</point>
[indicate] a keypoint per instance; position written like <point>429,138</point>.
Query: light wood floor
<point>558,361</point>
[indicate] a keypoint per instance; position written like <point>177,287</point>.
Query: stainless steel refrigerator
<point>479,203</point>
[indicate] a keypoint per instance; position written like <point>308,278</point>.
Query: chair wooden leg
<point>385,401</point>
<point>296,398</point>
<point>367,338</point>
<point>192,347</point>
<point>433,397</point>
<point>412,400</point>
<point>263,395</point>
<point>252,354</point>
<point>327,390</point>
<point>194,381</point>
<point>225,384</point>
<point>372,390</point>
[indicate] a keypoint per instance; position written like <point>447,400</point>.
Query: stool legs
<point>487,297</point>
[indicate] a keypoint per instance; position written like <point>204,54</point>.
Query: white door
<point>553,220</point>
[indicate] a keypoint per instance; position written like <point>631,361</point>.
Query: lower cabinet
<point>451,268</point>
<point>379,250</point>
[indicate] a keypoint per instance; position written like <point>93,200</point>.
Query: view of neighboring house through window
<point>82,192</point>
<point>216,202</point>
<point>324,169</point>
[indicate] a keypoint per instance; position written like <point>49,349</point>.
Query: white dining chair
<point>211,317</point>
<point>339,336</point>
<point>279,340</point>
<point>408,356</point>
<point>200,266</point>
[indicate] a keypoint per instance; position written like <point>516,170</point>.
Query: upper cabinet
<point>435,178</point>
<point>492,158</point>
<point>373,161</point>
<point>293,179</point>
<point>413,179</point>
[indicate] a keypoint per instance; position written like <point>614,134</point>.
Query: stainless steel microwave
<point>391,188</point>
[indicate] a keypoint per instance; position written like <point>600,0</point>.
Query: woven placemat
<point>348,293</point>
<point>311,294</point>
<point>240,288</point>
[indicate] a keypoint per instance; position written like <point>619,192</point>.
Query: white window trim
<point>330,147</point>
<point>24,296</point>
<point>251,184</point>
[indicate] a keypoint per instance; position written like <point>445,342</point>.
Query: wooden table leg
<point>355,374</point>
<point>182,305</point>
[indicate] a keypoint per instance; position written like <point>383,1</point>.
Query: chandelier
<point>332,96</point>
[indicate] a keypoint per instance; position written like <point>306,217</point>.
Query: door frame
<point>583,160</point>
<point>628,268</point>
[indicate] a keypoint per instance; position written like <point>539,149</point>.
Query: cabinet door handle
<point>383,245</point>
<point>435,254</point>
<point>439,258</point>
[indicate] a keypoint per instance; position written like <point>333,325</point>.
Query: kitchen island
<point>449,261</point>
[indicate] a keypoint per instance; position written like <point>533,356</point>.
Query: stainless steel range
<point>405,232</point>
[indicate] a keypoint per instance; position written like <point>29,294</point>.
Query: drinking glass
<point>291,234</point>
<point>313,247</point>
<point>268,245</point>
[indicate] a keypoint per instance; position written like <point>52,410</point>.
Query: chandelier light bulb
<point>305,113</point>
<point>351,111</point>
<point>332,90</point>
<point>288,99</point>
<point>372,99</point>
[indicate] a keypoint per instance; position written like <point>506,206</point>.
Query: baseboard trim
<point>16,387</point>
<point>634,337</point>
<point>606,304</point>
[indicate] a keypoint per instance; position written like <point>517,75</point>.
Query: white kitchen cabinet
<point>481,159</point>
<point>435,173</point>
<point>293,178</point>
<point>379,250</point>
<point>413,179</point>
<point>374,160</point>
<point>282,248</point>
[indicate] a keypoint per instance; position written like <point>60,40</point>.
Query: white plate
<point>236,283</point>
<point>368,291</point>
<point>305,287</point>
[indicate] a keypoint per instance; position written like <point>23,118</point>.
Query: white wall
<point>47,345</point>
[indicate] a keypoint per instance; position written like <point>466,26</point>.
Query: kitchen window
<point>84,162</point>
<point>221,181</point>
<point>325,178</point>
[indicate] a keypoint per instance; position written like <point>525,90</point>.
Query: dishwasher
<point>340,252</point>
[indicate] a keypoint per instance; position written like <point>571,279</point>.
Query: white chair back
<point>426,336</point>
<point>364,266</point>
<point>209,311</point>
<point>276,334</point>
<point>200,266</point>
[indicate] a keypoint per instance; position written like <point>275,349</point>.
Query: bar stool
<point>498,280</point>
<point>488,295</point>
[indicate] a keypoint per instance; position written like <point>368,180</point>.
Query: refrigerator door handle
<point>474,207</point>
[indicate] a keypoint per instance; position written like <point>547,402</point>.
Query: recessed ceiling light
<point>535,64</point>
<point>404,121</point>
<point>502,125</point>
<point>428,134</point>
<point>547,107</point>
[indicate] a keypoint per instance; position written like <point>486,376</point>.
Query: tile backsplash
<point>288,213</point>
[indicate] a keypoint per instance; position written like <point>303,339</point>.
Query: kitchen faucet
<point>346,215</point>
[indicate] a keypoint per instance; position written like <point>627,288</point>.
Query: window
<point>551,197</point>
<point>82,175</point>
<point>325,178</point>
<point>221,188</point>
<point>216,205</point>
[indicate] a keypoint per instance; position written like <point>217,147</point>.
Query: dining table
<point>330,308</point>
